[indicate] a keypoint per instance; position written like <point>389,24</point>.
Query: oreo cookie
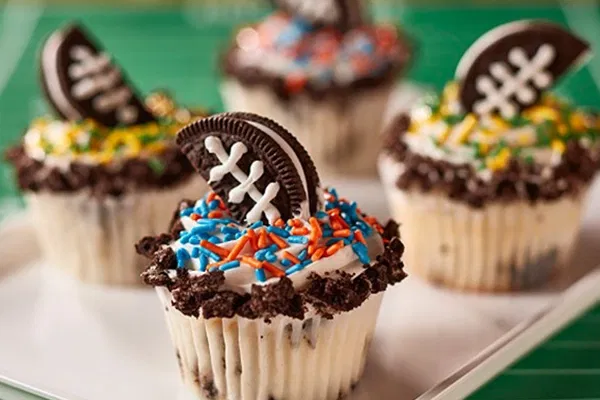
<point>343,14</point>
<point>80,81</point>
<point>509,67</point>
<point>256,166</point>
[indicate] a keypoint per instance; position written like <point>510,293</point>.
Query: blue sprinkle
<point>213,205</point>
<point>229,237</point>
<point>321,214</point>
<point>260,275</point>
<point>210,254</point>
<point>228,230</point>
<point>186,212</point>
<point>223,221</point>
<point>278,231</point>
<point>185,238</point>
<point>294,269</point>
<point>361,251</point>
<point>364,227</point>
<point>182,257</point>
<point>260,255</point>
<point>195,252</point>
<point>327,232</point>
<point>329,206</point>
<point>332,241</point>
<point>271,257</point>
<point>334,193</point>
<point>238,235</point>
<point>230,265</point>
<point>202,228</point>
<point>257,224</point>
<point>286,263</point>
<point>203,209</point>
<point>215,240</point>
<point>302,255</point>
<point>194,239</point>
<point>297,239</point>
<point>306,262</point>
<point>203,262</point>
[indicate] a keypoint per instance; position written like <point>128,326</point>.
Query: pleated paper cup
<point>93,239</point>
<point>342,134</point>
<point>508,246</point>
<point>286,358</point>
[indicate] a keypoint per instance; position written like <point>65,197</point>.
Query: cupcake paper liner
<point>343,137</point>
<point>93,239</point>
<point>501,247</point>
<point>285,358</point>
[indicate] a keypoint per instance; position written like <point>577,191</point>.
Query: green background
<point>565,367</point>
<point>176,47</point>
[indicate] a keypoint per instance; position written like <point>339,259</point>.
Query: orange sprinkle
<point>237,249</point>
<point>262,239</point>
<point>318,254</point>
<point>317,232</point>
<point>211,196</point>
<point>253,240</point>
<point>222,205</point>
<point>342,222</point>
<point>312,248</point>
<point>214,248</point>
<point>279,223</point>
<point>195,217</point>
<point>342,233</point>
<point>333,212</point>
<point>273,270</point>
<point>335,224</point>
<point>215,214</point>
<point>359,236</point>
<point>300,231</point>
<point>334,248</point>
<point>253,262</point>
<point>278,241</point>
<point>295,222</point>
<point>289,256</point>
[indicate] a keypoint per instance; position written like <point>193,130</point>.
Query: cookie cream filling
<point>339,239</point>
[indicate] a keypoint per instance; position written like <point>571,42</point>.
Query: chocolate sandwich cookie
<point>80,81</point>
<point>256,166</point>
<point>342,14</point>
<point>508,68</point>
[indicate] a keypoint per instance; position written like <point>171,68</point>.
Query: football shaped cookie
<point>344,14</point>
<point>257,167</point>
<point>81,81</point>
<point>508,68</point>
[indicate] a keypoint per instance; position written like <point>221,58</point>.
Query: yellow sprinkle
<point>558,146</point>
<point>156,147</point>
<point>466,127</point>
<point>525,139</point>
<point>444,135</point>
<point>500,124</point>
<point>499,161</point>
<point>562,129</point>
<point>540,114</point>
<point>578,121</point>
<point>484,147</point>
<point>450,93</point>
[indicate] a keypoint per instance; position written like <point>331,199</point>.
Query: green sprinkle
<point>543,133</point>
<point>529,159</point>
<point>48,147</point>
<point>453,119</point>
<point>519,121</point>
<point>157,165</point>
<point>146,139</point>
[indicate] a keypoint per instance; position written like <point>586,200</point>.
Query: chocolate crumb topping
<point>103,180</point>
<point>328,295</point>
<point>518,181</point>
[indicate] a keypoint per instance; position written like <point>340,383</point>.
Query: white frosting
<point>316,10</point>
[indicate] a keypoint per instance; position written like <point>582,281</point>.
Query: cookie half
<point>255,165</point>
<point>508,68</point>
<point>80,81</point>
<point>343,14</point>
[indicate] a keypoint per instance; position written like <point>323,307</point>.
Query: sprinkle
<point>186,213</point>
<point>278,241</point>
<point>279,223</point>
<point>260,275</point>
<point>316,231</point>
<point>333,241</point>
<point>182,257</point>
<point>251,262</point>
<point>289,256</point>
<point>215,249</point>
<point>203,262</point>
<point>262,239</point>
<point>300,231</point>
<point>331,250</point>
<point>558,146</point>
<point>211,196</point>
<point>273,270</point>
<point>298,239</point>
<point>359,236</point>
<point>318,254</point>
<point>229,230</point>
<point>342,233</point>
<point>215,214</point>
<point>253,239</point>
<point>286,263</point>
<point>298,267</point>
<point>257,224</point>
<point>213,205</point>
<point>209,253</point>
<point>361,251</point>
<point>302,255</point>
<point>230,265</point>
<point>215,240</point>
<point>312,248</point>
<point>237,249</point>
<point>295,223</point>
<point>185,238</point>
<point>270,256</point>
<point>195,252</point>
<point>195,217</point>
<point>321,214</point>
<point>278,231</point>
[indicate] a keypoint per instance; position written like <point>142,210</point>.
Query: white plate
<point>88,342</point>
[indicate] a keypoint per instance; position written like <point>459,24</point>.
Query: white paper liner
<point>242,359</point>
<point>343,136</point>
<point>94,239</point>
<point>500,247</point>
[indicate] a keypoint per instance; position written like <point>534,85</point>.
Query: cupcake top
<point>295,54</point>
<point>105,137</point>
<point>263,257</point>
<point>496,132</point>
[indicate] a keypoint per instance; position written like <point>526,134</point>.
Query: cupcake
<point>268,278</point>
<point>106,170</point>
<point>488,181</point>
<point>325,73</point>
